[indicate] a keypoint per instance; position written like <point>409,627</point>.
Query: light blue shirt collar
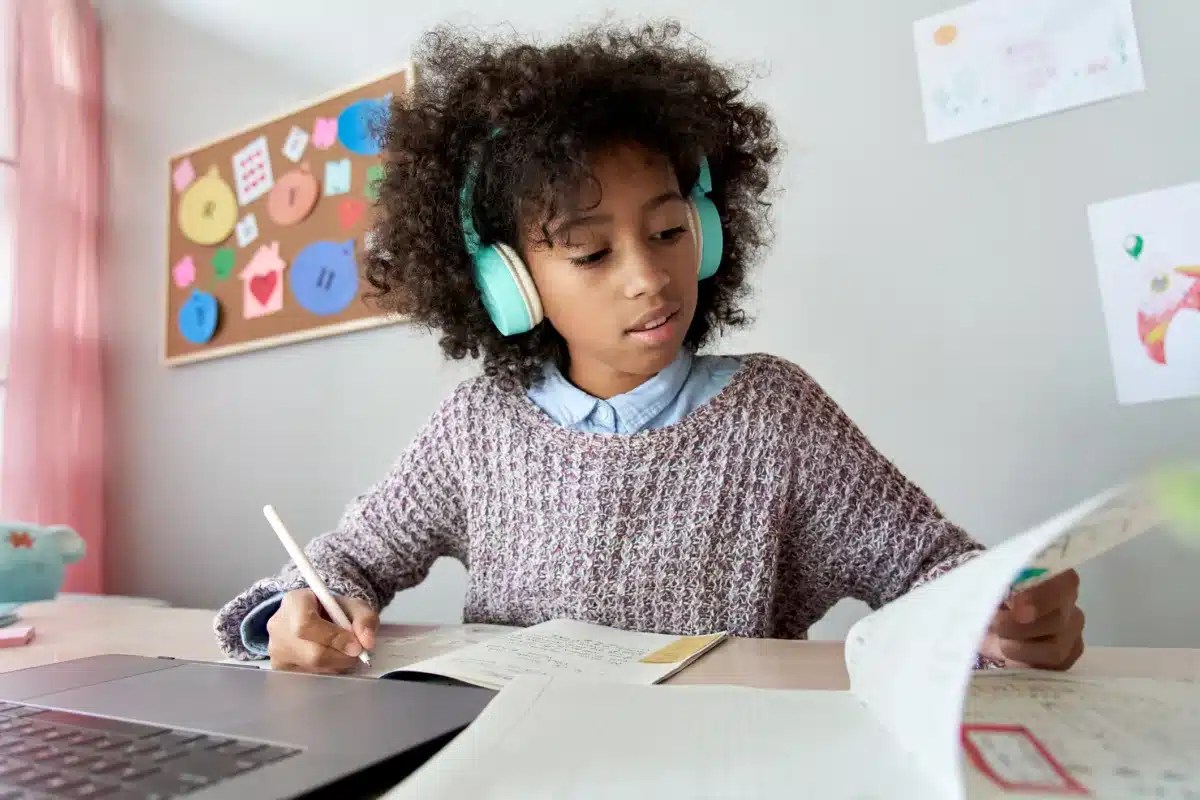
<point>625,413</point>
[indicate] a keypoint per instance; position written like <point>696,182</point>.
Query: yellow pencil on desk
<point>331,606</point>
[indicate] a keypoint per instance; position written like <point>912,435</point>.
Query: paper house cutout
<point>262,282</point>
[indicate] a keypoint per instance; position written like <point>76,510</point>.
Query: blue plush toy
<point>33,560</point>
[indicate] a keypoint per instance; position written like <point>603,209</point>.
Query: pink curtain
<point>53,426</point>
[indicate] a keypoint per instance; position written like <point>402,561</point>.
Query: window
<point>8,169</point>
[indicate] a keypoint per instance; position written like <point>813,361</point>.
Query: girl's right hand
<point>302,639</point>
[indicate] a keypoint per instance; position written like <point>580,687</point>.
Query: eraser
<point>16,636</point>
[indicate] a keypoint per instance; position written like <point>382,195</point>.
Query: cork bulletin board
<point>266,229</point>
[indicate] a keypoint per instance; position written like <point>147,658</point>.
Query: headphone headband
<point>471,238</point>
<point>703,178</point>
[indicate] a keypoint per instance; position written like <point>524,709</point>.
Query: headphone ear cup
<point>529,293</point>
<point>507,289</point>
<point>706,227</point>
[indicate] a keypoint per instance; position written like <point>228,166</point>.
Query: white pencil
<point>331,606</point>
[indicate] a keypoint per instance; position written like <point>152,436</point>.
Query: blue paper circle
<point>357,122</point>
<point>198,317</point>
<point>324,277</point>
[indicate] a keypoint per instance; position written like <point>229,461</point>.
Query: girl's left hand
<point>1039,627</point>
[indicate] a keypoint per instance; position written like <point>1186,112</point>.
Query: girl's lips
<point>663,332</point>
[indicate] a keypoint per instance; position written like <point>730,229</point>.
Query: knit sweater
<point>754,514</point>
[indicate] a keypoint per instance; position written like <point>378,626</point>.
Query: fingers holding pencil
<point>301,638</point>
<point>351,628</point>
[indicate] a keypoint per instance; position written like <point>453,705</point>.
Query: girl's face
<point>618,276</point>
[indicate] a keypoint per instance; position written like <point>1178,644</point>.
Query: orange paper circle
<point>207,210</point>
<point>293,197</point>
<point>945,35</point>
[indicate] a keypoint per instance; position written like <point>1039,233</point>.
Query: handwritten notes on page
<point>994,62</point>
<point>395,652</point>
<point>570,648</point>
<point>1110,737</point>
<point>1118,516</point>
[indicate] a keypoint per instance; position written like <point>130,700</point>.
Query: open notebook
<point>564,648</point>
<point>492,655</point>
<point>898,733</point>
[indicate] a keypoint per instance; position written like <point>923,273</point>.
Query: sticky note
<point>325,131</point>
<point>262,283</point>
<point>252,171</point>
<point>293,198</point>
<point>297,141</point>
<point>679,650</point>
<point>222,262</point>
<point>183,175</point>
<point>374,178</point>
<point>198,317</point>
<point>337,177</point>
<point>324,277</point>
<point>207,209</point>
<point>247,230</point>
<point>184,272</point>
<point>350,211</point>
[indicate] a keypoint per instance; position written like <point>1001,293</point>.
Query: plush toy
<point>33,560</point>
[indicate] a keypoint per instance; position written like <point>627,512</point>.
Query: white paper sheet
<point>1111,737</point>
<point>562,739</point>
<point>1147,253</point>
<point>938,629</point>
<point>994,62</point>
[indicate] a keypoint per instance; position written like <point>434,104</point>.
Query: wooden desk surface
<point>69,629</point>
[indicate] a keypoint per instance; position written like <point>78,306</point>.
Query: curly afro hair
<point>529,115</point>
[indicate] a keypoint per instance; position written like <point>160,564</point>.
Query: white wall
<point>945,295</point>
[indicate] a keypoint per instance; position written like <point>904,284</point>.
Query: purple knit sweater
<point>755,514</point>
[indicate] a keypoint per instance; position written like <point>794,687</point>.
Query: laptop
<point>122,727</point>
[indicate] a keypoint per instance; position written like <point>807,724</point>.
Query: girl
<point>583,216</point>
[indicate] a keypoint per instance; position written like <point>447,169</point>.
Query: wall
<point>945,295</point>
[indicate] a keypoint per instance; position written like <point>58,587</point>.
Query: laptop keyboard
<point>45,754</point>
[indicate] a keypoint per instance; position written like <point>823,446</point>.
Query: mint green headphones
<point>504,282</point>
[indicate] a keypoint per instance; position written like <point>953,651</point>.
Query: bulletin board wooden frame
<point>342,218</point>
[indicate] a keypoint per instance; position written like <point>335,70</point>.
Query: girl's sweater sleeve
<point>386,541</point>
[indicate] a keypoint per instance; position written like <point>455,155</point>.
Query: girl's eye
<point>591,259</point>
<point>671,234</point>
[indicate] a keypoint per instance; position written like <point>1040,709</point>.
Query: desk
<point>69,629</point>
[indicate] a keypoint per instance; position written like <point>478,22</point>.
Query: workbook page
<point>567,739</point>
<point>570,648</point>
<point>1037,735</point>
<point>911,661</point>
